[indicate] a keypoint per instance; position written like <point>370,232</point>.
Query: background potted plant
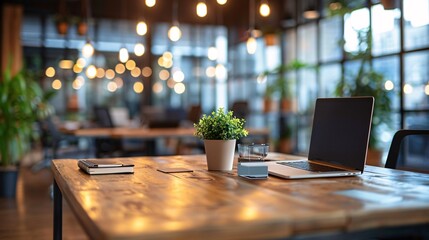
<point>281,85</point>
<point>220,131</point>
<point>19,99</point>
<point>368,82</point>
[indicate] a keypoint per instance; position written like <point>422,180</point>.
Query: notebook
<point>339,140</point>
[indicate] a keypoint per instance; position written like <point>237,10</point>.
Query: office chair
<point>194,113</point>
<point>409,150</point>
<point>105,147</point>
<point>240,109</point>
<point>56,145</point>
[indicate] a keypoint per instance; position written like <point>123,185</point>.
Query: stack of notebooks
<point>104,166</point>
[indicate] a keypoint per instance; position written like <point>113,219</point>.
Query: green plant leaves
<point>20,96</point>
<point>220,126</point>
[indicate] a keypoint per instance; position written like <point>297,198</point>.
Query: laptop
<point>339,141</point>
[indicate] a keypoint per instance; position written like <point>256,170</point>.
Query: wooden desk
<point>220,205</point>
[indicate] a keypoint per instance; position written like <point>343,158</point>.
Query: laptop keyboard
<point>305,165</point>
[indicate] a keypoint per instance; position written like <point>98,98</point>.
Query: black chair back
<point>240,109</point>
<point>409,150</point>
<point>103,117</point>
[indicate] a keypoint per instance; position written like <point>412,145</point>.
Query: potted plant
<point>269,104</point>
<point>220,131</point>
<point>19,98</point>
<point>281,85</point>
<point>285,144</point>
<point>62,24</point>
<point>368,82</point>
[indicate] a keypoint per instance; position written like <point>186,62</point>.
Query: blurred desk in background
<point>154,134</point>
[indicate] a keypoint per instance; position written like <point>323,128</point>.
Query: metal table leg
<point>58,212</point>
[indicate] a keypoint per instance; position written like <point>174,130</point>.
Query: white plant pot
<point>220,154</point>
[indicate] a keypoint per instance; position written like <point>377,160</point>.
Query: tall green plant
<point>281,84</point>
<point>366,82</point>
<point>220,126</point>
<point>19,98</point>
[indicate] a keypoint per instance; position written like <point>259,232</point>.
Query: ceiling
<point>234,14</point>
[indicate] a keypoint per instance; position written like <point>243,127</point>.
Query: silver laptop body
<point>339,139</point>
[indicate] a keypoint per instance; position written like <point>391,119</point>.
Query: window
<point>416,24</point>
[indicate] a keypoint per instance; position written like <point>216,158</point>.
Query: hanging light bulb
<point>201,9</point>
<point>251,45</point>
<point>150,3</point>
<point>222,2</point>
<point>220,71</point>
<point>139,49</point>
<point>91,71</point>
<point>264,9</point>
<point>87,49</point>
<point>141,28</point>
<point>123,55</point>
<point>174,33</point>
<point>212,53</point>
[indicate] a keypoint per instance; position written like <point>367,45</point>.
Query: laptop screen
<point>340,133</point>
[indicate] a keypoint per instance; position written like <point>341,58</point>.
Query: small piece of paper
<point>174,170</point>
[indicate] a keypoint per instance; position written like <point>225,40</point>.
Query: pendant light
<point>141,28</point>
<point>264,8</point>
<point>251,43</point>
<point>222,2</point>
<point>88,48</point>
<point>123,51</point>
<point>123,55</point>
<point>201,9</point>
<point>174,33</point>
<point>150,3</point>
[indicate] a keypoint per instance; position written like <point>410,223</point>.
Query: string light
<point>139,49</point>
<point>50,72</point>
<point>56,84</point>
<point>87,50</point>
<point>264,9</point>
<point>212,53</point>
<point>112,87</point>
<point>138,87</point>
<point>150,3</point>
<point>174,34</point>
<point>119,82</point>
<point>157,87</point>
<point>388,85</point>
<point>81,62</point>
<point>222,2</point>
<point>251,45</point>
<point>178,76</point>
<point>141,28</point>
<point>220,71</point>
<point>179,88</point>
<point>123,55</point>
<point>120,68</point>
<point>408,89</point>
<point>251,41</point>
<point>66,64</point>
<point>110,74</point>
<point>77,69</point>
<point>130,64</point>
<point>201,9</point>
<point>100,73</point>
<point>146,72</point>
<point>91,71</point>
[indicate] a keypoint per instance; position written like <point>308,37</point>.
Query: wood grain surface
<point>221,205</point>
